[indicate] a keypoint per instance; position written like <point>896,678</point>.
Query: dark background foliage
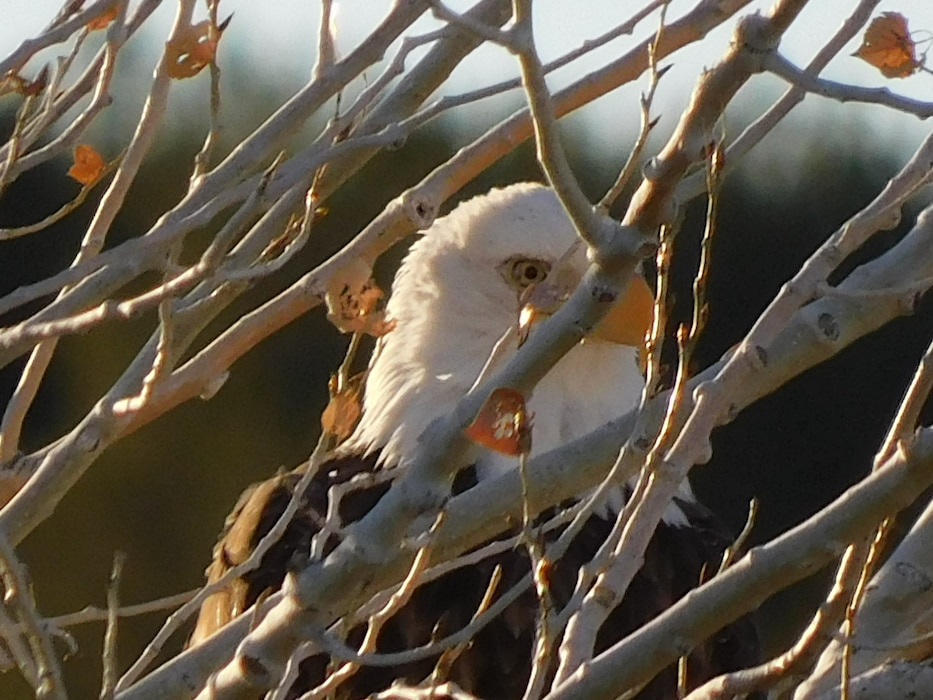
<point>161,494</point>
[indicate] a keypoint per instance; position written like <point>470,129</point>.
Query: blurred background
<point>161,494</point>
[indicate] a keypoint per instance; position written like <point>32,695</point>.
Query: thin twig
<point>794,664</point>
<point>484,31</point>
<point>902,427</point>
<point>203,158</point>
<point>91,245</point>
<point>738,546</point>
<point>647,123</point>
<point>7,234</point>
<point>654,343</point>
<point>447,659</point>
<point>339,650</point>
<point>752,135</point>
<point>18,598</point>
<point>55,34</point>
<point>90,613</point>
<point>110,635</point>
<point>842,92</point>
<point>908,412</point>
<point>163,362</point>
<point>378,619</point>
<point>15,648</point>
<point>550,151</point>
<point>194,604</point>
<point>326,39</point>
<point>540,565</point>
<point>14,145</point>
<point>293,245</point>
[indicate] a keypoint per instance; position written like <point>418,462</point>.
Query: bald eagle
<point>460,289</point>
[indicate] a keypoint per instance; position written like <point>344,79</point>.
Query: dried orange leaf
<point>503,423</point>
<point>343,410</point>
<point>293,229</point>
<point>101,21</point>
<point>88,165</point>
<point>355,310</point>
<point>888,47</point>
<point>193,49</point>
<point>278,245</point>
<point>14,82</point>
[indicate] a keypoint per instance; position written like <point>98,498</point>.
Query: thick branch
<point>894,613</point>
<point>763,571</point>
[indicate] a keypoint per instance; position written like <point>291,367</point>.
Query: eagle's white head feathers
<point>453,298</point>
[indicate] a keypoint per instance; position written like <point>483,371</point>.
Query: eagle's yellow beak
<point>630,318</point>
<point>626,323</point>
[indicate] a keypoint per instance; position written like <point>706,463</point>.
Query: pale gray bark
<point>808,322</point>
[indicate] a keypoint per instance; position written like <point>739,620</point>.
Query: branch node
<point>213,385</point>
<point>755,34</point>
<point>253,668</point>
<point>652,170</point>
<point>828,325</point>
<point>420,208</point>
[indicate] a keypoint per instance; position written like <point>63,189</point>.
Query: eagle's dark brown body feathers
<point>496,665</point>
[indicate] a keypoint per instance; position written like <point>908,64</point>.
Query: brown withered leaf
<point>356,311</point>
<point>888,47</point>
<point>503,423</point>
<point>194,48</point>
<point>344,408</point>
<point>88,165</point>
<point>101,21</point>
<point>14,82</point>
<point>278,245</point>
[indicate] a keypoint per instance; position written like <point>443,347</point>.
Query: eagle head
<point>460,289</point>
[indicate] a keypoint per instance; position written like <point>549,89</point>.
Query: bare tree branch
<point>263,202</point>
<point>783,68</point>
<point>742,587</point>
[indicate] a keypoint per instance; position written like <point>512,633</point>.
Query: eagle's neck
<point>411,383</point>
<point>417,374</point>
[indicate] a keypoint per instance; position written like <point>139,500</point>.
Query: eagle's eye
<point>524,272</point>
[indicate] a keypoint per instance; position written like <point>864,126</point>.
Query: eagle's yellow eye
<point>525,272</point>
